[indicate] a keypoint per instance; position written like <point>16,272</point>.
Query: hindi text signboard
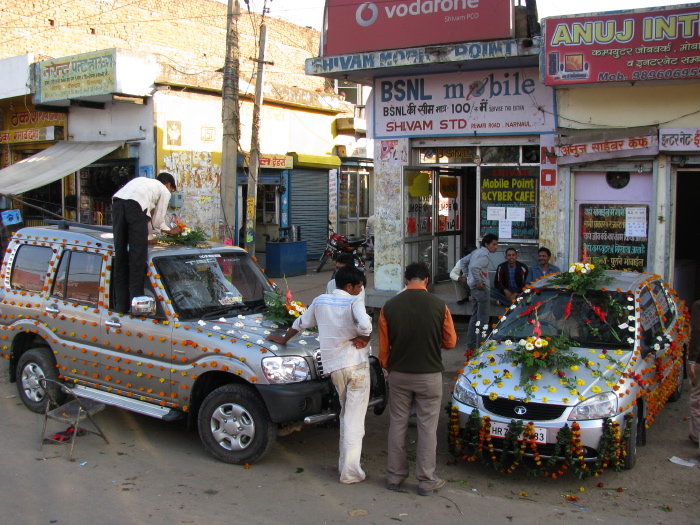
<point>645,44</point>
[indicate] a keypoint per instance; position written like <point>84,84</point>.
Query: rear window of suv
<point>30,268</point>
<point>78,277</point>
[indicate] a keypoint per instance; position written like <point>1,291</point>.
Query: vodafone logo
<point>374,13</point>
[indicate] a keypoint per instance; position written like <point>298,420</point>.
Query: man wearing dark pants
<point>413,326</point>
<point>478,281</point>
<point>140,201</point>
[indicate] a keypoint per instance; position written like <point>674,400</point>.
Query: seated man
<point>543,268</point>
<point>510,278</point>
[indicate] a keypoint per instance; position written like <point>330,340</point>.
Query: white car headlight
<point>596,407</point>
<point>289,369</point>
<point>465,393</point>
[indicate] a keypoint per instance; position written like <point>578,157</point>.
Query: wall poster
<point>615,235</point>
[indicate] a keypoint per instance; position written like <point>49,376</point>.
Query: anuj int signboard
<point>626,46</point>
<point>499,102</point>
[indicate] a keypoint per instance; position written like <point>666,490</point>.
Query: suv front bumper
<point>295,401</point>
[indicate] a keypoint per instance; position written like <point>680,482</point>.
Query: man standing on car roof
<point>138,202</point>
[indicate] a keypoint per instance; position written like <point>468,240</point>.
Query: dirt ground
<point>158,472</point>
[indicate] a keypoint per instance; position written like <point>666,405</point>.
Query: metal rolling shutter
<point>308,208</point>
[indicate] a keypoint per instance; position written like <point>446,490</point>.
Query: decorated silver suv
<point>197,347</point>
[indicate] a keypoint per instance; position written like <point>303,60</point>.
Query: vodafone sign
<point>354,26</point>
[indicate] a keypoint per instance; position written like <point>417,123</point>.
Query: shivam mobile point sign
<point>630,46</point>
<point>353,26</point>
<point>499,102</point>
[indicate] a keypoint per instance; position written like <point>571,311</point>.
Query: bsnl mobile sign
<point>354,26</point>
<point>486,103</point>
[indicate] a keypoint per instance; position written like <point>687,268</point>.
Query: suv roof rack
<point>66,225</point>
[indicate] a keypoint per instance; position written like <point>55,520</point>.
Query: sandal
<point>58,437</point>
<point>69,431</point>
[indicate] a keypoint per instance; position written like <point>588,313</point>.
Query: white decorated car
<point>573,374</point>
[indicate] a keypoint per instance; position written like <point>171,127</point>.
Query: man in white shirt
<point>344,329</point>
<point>140,201</point>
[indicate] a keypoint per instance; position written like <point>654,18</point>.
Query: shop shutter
<point>308,208</point>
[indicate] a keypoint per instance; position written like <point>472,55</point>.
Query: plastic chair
<point>71,412</point>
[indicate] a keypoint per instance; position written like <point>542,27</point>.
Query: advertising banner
<point>615,235</point>
<point>354,26</point>
<point>646,44</point>
<point>76,76</point>
<point>504,101</point>
<point>679,139</point>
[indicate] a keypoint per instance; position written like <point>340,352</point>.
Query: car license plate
<point>501,429</point>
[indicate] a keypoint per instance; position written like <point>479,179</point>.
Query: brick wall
<point>187,37</point>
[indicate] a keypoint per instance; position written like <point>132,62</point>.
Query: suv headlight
<point>596,407</point>
<point>289,369</point>
<point>465,393</point>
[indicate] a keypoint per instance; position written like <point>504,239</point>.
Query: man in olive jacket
<point>413,326</point>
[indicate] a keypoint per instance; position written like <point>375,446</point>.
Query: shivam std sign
<point>355,26</point>
<point>626,46</point>
<point>495,102</point>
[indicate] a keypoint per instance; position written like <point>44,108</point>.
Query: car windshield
<point>212,284</point>
<point>598,318</point>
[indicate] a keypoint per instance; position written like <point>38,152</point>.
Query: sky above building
<point>310,12</point>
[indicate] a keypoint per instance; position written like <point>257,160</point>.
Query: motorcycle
<point>337,244</point>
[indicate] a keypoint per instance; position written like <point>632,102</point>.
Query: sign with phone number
<point>643,44</point>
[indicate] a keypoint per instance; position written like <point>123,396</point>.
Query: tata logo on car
<point>368,12</point>
<point>520,410</point>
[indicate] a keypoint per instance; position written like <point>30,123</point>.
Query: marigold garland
<point>568,452</point>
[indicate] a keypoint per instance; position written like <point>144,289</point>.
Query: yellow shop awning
<point>327,162</point>
<point>61,159</point>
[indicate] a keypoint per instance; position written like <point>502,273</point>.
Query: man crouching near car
<point>344,329</point>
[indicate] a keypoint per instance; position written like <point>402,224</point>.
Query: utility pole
<point>254,164</point>
<point>231,126</point>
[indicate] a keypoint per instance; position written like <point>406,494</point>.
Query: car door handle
<point>113,323</point>
<point>52,310</point>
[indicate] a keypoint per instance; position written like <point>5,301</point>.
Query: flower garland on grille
<point>520,442</point>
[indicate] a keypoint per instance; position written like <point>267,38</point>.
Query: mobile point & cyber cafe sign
<point>354,26</point>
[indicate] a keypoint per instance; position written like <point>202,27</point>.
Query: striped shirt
<point>340,317</point>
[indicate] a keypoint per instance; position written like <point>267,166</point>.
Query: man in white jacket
<point>459,276</point>
<point>478,281</point>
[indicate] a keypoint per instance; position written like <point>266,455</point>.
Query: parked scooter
<point>337,244</point>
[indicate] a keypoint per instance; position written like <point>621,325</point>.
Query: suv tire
<point>234,425</point>
<point>37,363</point>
